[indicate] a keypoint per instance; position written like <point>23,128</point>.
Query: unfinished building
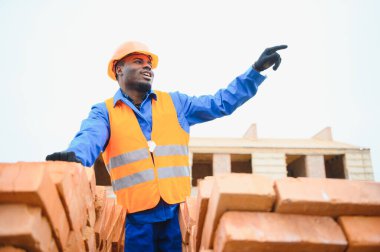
<point>320,157</point>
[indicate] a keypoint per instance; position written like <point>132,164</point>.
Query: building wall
<point>358,165</point>
<point>269,164</point>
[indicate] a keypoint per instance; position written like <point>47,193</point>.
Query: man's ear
<point>119,71</point>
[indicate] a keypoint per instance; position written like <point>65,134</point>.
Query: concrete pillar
<point>221,163</point>
<point>315,166</point>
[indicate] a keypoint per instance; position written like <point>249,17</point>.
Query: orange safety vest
<point>140,177</point>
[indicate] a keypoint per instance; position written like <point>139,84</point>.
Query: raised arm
<point>208,107</point>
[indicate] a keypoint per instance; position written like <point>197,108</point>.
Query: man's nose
<point>147,67</point>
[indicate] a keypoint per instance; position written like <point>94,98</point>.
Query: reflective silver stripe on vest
<point>171,150</point>
<point>133,179</point>
<point>173,171</point>
<point>127,158</point>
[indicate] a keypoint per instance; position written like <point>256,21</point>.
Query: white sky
<point>53,61</point>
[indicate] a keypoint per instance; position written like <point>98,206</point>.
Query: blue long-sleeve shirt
<point>95,130</point>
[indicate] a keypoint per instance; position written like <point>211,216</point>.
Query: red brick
<point>110,213</point>
<point>329,197</point>
<point>193,239</point>
<point>31,184</point>
<point>91,179</point>
<point>204,192</point>
<point>100,199</point>
<point>185,248</point>
<point>114,222</point>
<point>363,233</point>
<point>91,215</point>
<point>80,240</point>
<point>11,249</point>
<point>182,224</point>
<point>8,174</point>
<point>98,226</point>
<point>82,186</point>
<point>122,241</point>
<point>259,231</point>
<point>102,223</point>
<point>74,243</point>
<point>119,230</point>
<point>190,212</point>
<point>247,192</point>
<point>23,226</point>
<point>66,179</point>
<point>108,246</point>
<point>87,196</point>
<point>53,246</point>
<point>88,235</point>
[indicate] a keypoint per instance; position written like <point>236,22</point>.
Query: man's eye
<point>138,61</point>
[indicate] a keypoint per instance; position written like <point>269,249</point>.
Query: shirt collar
<point>120,96</point>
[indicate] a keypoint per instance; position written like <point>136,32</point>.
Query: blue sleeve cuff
<point>252,73</point>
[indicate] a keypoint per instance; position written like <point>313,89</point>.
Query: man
<point>144,137</point>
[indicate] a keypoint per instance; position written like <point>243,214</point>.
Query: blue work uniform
<point>157,229</point>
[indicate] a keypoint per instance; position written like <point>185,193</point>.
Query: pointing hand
<point>269,58</point>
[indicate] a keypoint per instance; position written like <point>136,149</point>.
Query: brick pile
<point>109,226</point>
<point>56,206</point>
<point>247,212</point>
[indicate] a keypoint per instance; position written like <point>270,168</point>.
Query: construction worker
<point>143,135</point>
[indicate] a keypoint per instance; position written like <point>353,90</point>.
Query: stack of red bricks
<point>247,212</point>
<point>56,206</point>
<point>109,226</point>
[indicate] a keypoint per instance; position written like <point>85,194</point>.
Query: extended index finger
<point>276,48</point>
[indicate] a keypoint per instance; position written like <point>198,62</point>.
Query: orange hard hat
<point>128,48</point>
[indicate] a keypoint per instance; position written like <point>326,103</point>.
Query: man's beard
<point>141,87</point>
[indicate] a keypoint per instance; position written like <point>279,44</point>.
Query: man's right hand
<point>63,156</point>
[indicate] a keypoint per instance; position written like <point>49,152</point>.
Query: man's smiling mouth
<point>147,74</point>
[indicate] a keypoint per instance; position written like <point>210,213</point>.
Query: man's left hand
<point>269,58</point>
<point>63,156</point>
